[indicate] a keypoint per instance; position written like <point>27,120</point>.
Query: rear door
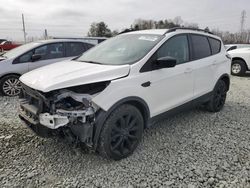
<point>204,65</point>
<point>50,53</point>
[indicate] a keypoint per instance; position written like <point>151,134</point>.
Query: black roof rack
<point>187,28</point>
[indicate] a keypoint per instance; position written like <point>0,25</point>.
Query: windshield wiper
<point>94,62</point>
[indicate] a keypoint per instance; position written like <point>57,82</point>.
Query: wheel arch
<point>226,79</point>
<point>241,59</point>
<point>9,74</point>
<point>102,115</point>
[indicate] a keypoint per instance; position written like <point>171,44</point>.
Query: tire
<point>121,132</point>
<point>10,85</point>
<point>238,68</point>
<point>218,97</point>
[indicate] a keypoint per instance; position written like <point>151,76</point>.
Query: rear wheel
<point>10,85</point>
<point>238,68</point>
<point>218,97</point>
<point>121,132</point>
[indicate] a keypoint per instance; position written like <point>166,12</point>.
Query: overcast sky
<point>73,17</point>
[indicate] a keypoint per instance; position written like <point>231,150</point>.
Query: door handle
<point>214,63</point>
<point>146,84</point>
<point>188,70</point>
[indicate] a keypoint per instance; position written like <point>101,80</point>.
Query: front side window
<point>201,48</point>
<point>122,49</point>
<point>176,47</point>
<point>50,51</point>
<point>25,57</point>
<point>41,51</point>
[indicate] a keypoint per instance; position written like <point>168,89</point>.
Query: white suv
<point>110,94</point>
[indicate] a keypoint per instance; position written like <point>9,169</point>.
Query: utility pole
<point>24,31</point>
<point>242,23</point>
<point>45,34</point>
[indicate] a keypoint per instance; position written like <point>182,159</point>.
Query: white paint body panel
<point>71,73</point>
<point>243,53</point>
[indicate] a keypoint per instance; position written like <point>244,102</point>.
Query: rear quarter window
<point>201,47</point>
<point>215,45</point>
<point>74,49</point>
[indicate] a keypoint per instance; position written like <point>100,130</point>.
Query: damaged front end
<point>68,111</point>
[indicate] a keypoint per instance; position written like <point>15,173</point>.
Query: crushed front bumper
<point>62,118</point>
<point>37,111</point>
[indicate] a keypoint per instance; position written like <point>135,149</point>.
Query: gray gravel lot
<point>192,149</point>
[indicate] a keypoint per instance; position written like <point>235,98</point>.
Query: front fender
<point>102,115</point>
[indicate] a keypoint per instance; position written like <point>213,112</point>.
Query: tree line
<point>101,29</point>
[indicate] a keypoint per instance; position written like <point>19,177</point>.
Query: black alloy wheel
<point>121,133</point>
<point>218,98</point>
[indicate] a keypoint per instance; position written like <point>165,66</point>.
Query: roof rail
<point>187,28</point>
<point>127,31</point>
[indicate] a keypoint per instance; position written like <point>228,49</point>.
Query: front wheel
<point>218,97</point>
<point>121,133</point>
<point>10,85</point>
<point>238,67</point>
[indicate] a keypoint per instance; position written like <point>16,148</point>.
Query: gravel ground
<point>192,149</point>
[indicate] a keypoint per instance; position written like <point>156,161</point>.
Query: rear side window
<point>215,45</point>
<point>201,48</point>
<point>88,46</point>
<point>74,48</point>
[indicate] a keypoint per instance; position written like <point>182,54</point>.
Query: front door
<point>172,87</point>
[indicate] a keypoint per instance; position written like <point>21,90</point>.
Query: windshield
<point>120,50</point>
<point>20,50</point>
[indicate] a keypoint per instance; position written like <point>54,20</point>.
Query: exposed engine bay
<point>67,110</point>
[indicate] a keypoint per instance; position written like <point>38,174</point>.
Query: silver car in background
<point>34,55</point>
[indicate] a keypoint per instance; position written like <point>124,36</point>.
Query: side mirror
<point>36,57</point>
<point>165,62</point>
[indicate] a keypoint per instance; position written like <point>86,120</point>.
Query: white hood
<point>239,50</point>
<point>71,73</point>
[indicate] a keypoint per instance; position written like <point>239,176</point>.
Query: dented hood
<point>71,73</point>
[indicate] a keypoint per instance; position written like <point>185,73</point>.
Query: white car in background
<point>240,61</point>
<point>230,47</point>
